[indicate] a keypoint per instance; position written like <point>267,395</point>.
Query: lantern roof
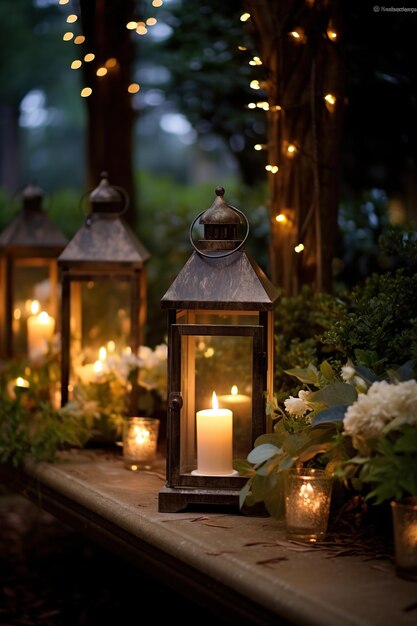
<point>233,282</point>
<point>104,240</point>
<point>220,212</point>
<point>105,237</point>
<point>31,228</point>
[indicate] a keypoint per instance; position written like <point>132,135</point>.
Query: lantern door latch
<point>175,401</point>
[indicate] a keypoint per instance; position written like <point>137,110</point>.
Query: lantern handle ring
<point>225,254</point>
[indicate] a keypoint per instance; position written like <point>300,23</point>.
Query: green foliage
<point>300,324</point>
<point>380,329</point>
<point>35,430</point>
<point>390,469</point>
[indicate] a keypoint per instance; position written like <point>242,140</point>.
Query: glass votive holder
<point>140,439</point>
<point>404,519</point>
<point>308,494</point>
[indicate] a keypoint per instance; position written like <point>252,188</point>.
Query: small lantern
<point>29,248</point>
<point>220,363</point>
<point>103,279</point>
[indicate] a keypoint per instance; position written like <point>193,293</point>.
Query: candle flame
<point>214,401</point>
<point>98,367</point>
<point>43,317</point>
<point>34,307</point>
<point>141,434</point>
<point>21,382</point>
<point>234,390</point>
<point>102,354</point>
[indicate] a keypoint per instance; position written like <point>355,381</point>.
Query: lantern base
<point>197,473</point>
<point>175,500</point>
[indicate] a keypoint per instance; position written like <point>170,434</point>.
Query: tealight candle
<point>140,439</point>
<point>214,441</point>
<point>307,504</point>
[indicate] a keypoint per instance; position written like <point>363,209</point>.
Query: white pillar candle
<point>214,441</point>
<point>40,331</point>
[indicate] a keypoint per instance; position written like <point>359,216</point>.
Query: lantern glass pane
<point>34,290</point>
<point>220,364</point>
<point>100,313</point>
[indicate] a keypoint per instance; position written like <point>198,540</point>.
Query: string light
<point>79,39</point>
<point>332,35</point>
<point>298,35</point>
<point>151,21</point>
<point>133,88</point>
<point>275,107</point>
<point>141,28</point>
<point>89,57</point>
<point>87,91</point>
<point>330,98</point>
<point>329,101</point>
<point>110,63</point>
<point>68,36</point>
<point>291,150</point>
<point>299,248</point>
<point>252,105</point>
<point>260,146</point>
<point>76,64</point>
<point>63,1</point>
<point>102,71</point>
<point>72,18</point>
<point>281,218</point>
<point>131,25</point>
<point>255,61</point>
<point>272,168</point>
<point>157,3</point>
<point>254,84</point>
<point>242,48</point>
<point>244,17</point>
<point>263,105</point>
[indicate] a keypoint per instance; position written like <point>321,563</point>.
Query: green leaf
<point>262,453</point>
<point>271,438</point>
<point>366,374</point>
<point>244,493</point>
<point>312,451</point>
<point>307,375</point>
<point>334,394</point>
<point>403,373</point>
<point>243,467</point>
<point>333,414</point>
<point>327,371</point>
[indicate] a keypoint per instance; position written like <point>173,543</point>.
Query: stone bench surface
<point>240,566</point>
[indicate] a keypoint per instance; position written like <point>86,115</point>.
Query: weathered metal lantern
<point>29,248</point>
<point>103,276</point>
<point>220,363</point>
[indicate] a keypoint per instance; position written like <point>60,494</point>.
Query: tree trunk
<point>110,113</point>
<point>299,71</point>
<point>9,149</point>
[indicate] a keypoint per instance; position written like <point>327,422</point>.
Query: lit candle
<point>239,403</point>
<point>40,331</point>
<point>214,441</point>
<point>140,438</point>
<point>307,504</point>
<point>22,383</point>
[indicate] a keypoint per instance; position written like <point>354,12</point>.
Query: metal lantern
<point>103,278</point>
<point>29,248</point>
<point>220,363</point>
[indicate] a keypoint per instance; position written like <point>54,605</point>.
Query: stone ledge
<point>240,566</point>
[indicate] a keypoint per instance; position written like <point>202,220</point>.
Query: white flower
<point>347,372</point>
<point>297,406</point>
<point>376,410</point>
